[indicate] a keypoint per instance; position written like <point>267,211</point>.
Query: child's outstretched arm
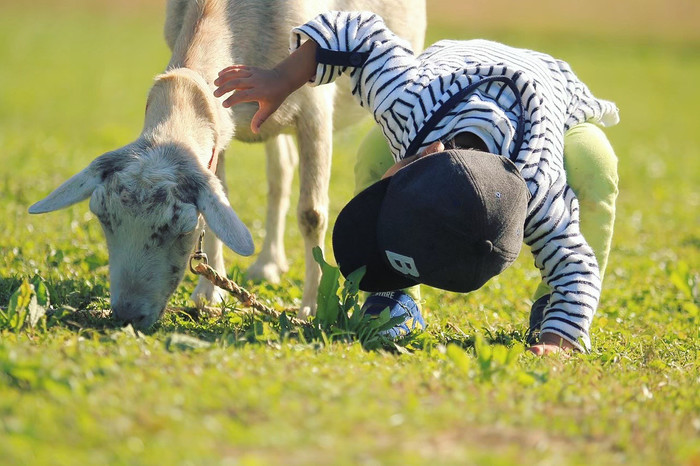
<point>269,88</point>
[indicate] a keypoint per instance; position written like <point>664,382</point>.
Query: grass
<point>234,389</point>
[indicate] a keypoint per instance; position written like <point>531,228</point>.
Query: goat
<point>153,195</point>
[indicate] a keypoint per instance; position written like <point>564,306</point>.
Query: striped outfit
<point>403,90</point>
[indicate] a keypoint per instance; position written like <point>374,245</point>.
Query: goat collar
<point>214,160</point>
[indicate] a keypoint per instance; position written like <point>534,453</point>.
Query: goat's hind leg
<point>314,134</point>
<point>282,159</point>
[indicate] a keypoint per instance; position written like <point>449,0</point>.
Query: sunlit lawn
<point>73,85</point>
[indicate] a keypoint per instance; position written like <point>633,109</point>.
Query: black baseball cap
<point>450,220</point>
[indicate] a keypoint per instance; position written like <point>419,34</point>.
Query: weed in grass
<point>339,316</point>
<point>27,307</point>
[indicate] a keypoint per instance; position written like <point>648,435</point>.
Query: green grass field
<point>236,390</point>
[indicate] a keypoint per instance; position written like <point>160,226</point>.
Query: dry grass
<point>672,19</point>
<point>669,19</point>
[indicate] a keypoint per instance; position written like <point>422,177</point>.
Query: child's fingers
<point>231,73</point>
<point>237,84</point>
<point>437,146</point>
<point>544,350</point>
<point>234,68</point>
<point>260,116</point>
<point>249,84</point>
<point>240,96</point>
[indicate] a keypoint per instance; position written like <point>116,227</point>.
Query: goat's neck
<point>203,42</point>
<point>202,46</point>
<point>181,110</point>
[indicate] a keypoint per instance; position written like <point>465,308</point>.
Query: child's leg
<point>591,171</point>
<point>373,160</point>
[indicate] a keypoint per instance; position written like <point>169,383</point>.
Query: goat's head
<point>149,201</point>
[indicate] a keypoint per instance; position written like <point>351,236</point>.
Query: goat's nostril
<point>130,315</point>
<point>142,321</point>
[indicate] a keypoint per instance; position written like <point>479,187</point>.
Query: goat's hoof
<point>207,295</point>
<point>269,272</point>
<point>305,312</point>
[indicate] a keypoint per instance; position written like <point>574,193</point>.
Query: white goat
<point>149,194</point>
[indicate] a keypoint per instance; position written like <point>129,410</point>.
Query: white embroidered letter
<point>403,264</point>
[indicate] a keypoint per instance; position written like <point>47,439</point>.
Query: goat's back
<point>258,35</point>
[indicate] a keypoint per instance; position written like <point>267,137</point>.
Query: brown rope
<point>246,298</point>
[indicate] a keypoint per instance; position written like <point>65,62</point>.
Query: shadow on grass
<point>79,306</point>
<point>452,334</point>
<point>225,328</point>
<point>75,293</point>
<point>7,287</point>
<point>238,328</point>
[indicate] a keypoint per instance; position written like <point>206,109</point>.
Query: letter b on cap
<point>403,264</point>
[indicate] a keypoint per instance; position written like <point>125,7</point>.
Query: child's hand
<point>437,146</point>
<point>266,87</point>
<point>550,343</point>
<point>269,88</point>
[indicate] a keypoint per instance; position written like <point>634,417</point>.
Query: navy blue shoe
<point>399,304</point>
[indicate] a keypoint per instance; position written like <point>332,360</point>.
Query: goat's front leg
<point>282,159</point>
<point>314,131</point>
<point>206,293</point>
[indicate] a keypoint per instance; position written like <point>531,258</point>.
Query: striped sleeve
<point>583,105</point>
<point>340,31</point>
<point>567,263</point>
<point>389,59</point>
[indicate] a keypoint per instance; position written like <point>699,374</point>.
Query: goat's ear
<point>224,222</point>
<point>80,186</point>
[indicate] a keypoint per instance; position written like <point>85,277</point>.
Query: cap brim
<point>355,241</point>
